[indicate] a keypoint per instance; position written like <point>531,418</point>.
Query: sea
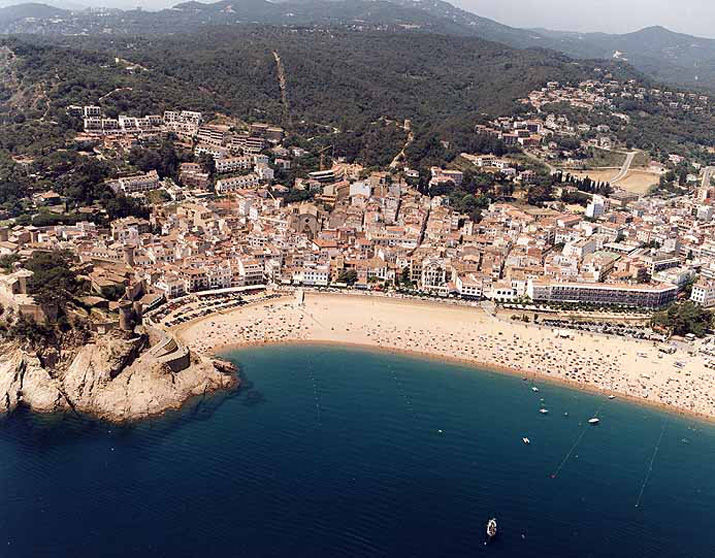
<point>328,451</point>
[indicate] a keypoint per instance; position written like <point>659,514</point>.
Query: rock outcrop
<point>114,378</point>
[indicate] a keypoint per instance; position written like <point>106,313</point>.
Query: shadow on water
<point>30,429</point>
<point>252,397</point>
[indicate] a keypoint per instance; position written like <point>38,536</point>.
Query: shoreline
<point>529,375</point>
<point>469,330</point>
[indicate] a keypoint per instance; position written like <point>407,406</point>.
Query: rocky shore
<point>113,377</point>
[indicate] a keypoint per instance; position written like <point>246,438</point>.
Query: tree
<point>34,333</point>
<point>540,193</point>
<point>405,277</point>
<point>7,261</point>
<point>208,164</point>
<point>348,277</point>
<point>688,288</point>
<point>53,281</point>
<point>683,318</point>
<point>163,159</point>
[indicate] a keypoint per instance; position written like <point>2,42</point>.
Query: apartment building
<point>248,272</point>
<point>233,164</point>
<point>607,294</point>
<point>184,116</point>
<point>470,285</point>
<point>312,276</point>
<point>193,176</point>
<point>703,293</point>
<point>92,111</point>
<point>237,183</point>
<point>213,134</point>
<point>138,183</point>
<point>216,151</point>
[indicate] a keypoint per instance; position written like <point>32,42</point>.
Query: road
<point>401,155</point>
<point>283,84</point>
<point>113,92</point>
<point>625,168</point>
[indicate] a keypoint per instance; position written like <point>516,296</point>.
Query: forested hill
<point>340,78</point>
<point>661,54</point>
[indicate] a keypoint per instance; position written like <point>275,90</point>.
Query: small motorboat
<point>534,389</point>
<point>491,529</point>
<point>544,411</point>
<point>594,421</point>
<point>611,396</point>
<point>526,441</point>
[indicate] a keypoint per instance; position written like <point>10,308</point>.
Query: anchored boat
<point>491,529</point>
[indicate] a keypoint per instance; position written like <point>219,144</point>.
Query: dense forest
<point>658,52</point>
<point>343,81</point>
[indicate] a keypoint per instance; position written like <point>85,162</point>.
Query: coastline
<point>473,335</point>
<point>530,376</point>
<point>114,379</point>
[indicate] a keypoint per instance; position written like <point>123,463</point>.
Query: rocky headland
<point>115,377</point>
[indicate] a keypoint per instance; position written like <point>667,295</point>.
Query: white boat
<point>594,420</point>
<point>491,528</point>
<point>544,411</point>
<point>535,389</point>
<point>526,441</point>
<point>611,396</point>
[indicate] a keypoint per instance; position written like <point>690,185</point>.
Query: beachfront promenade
<point>618,365</point>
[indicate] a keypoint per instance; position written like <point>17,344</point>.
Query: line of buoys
<point>576,443</point>
<point>650,466</point>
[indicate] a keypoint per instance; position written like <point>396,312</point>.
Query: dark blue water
<point>331,452</point>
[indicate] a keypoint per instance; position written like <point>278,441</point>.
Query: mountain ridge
<point>662,54</point>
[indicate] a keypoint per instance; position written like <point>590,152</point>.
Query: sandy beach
<point>614,365</point>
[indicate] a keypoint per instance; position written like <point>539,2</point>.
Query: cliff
<point>113,377</point>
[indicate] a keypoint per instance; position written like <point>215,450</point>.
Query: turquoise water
<point>338,452</point>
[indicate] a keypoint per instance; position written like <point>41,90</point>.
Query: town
<point>227,225</point>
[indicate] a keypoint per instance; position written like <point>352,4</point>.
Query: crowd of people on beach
<point>619,366</point>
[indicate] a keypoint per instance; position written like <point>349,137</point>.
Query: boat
<point>611,396</point>
<point>491,529</point>
<point>535,389</point>
<point>526,441</point>
<point>544,411</point>
<point>594,420</point>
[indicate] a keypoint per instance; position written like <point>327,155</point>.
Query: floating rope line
<point>650,467</point>
<point>576,443</point>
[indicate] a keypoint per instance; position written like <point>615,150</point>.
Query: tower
<point>125,316</point>
<point>129,255</point>
<point>138,312</point>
